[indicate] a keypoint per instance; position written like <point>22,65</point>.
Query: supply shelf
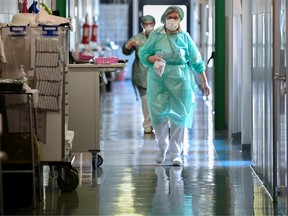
<point>43,51</point>
<point>21,147</point>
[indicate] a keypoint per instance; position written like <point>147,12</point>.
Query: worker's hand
<point>206,89</point>
<point>154,58</point>
<point>131,44</point>
<point>205,83</point>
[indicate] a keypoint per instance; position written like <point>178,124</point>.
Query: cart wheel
<point>99,161</point>
<point>70,180</point>
<point>74,169</point>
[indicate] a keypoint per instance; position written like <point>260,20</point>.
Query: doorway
<point>157,8</point>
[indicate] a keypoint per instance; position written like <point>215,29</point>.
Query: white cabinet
<point>84,104</point>
<point>83,116</point>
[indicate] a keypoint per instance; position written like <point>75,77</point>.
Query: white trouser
<point>146,115</point>
<point>175,143</point>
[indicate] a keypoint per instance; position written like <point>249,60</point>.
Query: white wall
<point>9,8</point>
<point>238,70</point>
<point>228,59</point>
<point>246,109</point>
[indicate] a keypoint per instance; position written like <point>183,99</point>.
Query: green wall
<point>219,62</point>
<point>61,6</point>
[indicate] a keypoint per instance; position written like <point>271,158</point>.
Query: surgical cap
<point>147,18</point>
<point>170,10</point>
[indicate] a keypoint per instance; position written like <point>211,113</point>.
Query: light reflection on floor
<point>215,180</point>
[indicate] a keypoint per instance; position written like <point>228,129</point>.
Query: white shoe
<point>161,155</point>
<point>177,161</point>
<point>148,130</point>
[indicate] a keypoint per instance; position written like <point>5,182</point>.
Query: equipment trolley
<point>43,51</point>
<point>84,106</point>
<point>21,147</point>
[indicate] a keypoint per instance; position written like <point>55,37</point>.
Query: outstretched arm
<point>205,84</point>
<point>129,47</point>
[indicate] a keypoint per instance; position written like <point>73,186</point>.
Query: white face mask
<point>148,29</point>
<point>172,24</point>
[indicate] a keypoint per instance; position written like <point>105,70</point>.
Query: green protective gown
<point>139,71</point>
<point>173,94</point>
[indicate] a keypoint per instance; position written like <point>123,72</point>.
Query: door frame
<point>278,77</point>
<point>142,3</point>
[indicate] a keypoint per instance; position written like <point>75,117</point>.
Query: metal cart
<point>21,147</point>
<point>43,51</point>
<point>84,106</point>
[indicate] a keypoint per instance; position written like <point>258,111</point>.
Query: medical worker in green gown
<point>171,96</point>
<point>139,72</point>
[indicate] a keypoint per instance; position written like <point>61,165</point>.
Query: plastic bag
<point>159,67</point>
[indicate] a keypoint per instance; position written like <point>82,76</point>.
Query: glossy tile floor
<point>216,178</point>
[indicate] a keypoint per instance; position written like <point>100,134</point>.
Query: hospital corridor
<point>216,178</point>
<point>86,86</point>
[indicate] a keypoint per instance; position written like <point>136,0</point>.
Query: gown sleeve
<point>195,59</point>
<point>148,49</point>
<point>126,51</point>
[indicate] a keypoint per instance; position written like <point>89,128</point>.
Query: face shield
<point>148,26</point>
<point>148,23</point>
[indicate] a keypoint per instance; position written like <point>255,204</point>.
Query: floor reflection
<point>215,178</point>
<point>169,195</point>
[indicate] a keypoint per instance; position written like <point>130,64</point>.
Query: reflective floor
<point>216,178</point>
